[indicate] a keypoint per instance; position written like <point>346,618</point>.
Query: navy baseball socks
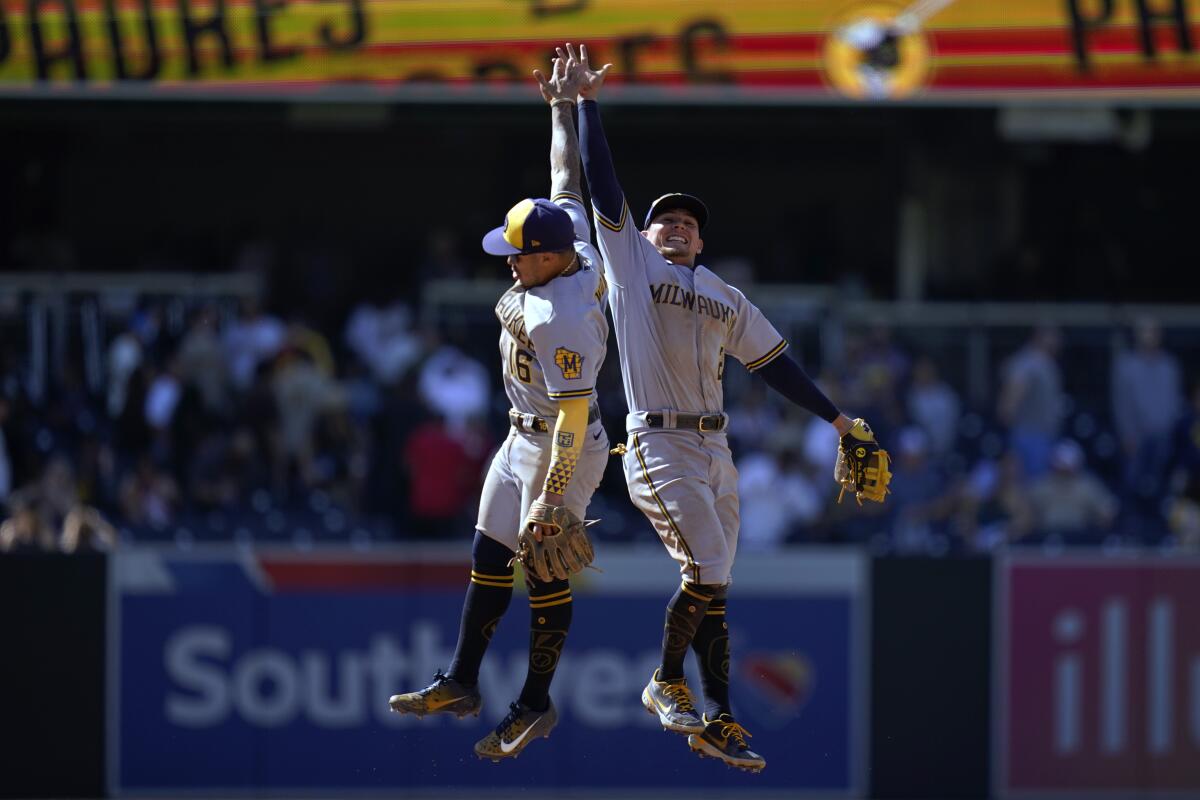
<point>534,715</point>
<point>722,737</point>
<point>488,596</point>
<point>711,645</point>
<point>550,607</point>
<point>667,695</point>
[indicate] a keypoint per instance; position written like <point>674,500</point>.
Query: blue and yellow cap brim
<point>495,244</point>
<point>531,226</point>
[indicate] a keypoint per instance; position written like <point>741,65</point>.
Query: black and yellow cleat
<point>516,731</point>
<point>671,702</point>
<point>725,739</point>
<point>444,696</point>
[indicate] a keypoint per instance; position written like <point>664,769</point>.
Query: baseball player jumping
<point>675,322</point>
<point>553,335</point>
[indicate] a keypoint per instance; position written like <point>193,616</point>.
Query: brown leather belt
<point>708,423</point>
<point>530,423</point>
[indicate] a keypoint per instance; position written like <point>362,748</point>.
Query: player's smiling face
<point>676,234</point>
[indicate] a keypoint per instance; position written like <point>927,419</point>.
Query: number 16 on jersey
<point>518,362</point>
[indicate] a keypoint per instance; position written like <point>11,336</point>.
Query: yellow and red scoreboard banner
<point>758,51</point>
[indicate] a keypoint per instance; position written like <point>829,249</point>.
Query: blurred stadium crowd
<point>199,420</point>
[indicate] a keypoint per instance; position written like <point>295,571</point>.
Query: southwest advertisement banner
<point>758,51</point>
<point>1098,669</point>
<point>236,671</point>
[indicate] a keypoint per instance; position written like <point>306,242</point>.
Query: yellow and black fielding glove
<point>862,465</point>
<point>557,556</point>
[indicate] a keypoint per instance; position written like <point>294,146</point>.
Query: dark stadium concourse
<point>1015,204</point>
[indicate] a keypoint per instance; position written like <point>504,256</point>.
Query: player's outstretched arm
<point>560,90</point>
<point>788,378</point>
<point>862,464</point>
<point>607,198</point>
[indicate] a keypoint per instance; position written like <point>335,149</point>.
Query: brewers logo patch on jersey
<point>553,337</point>
<point>570,362</point>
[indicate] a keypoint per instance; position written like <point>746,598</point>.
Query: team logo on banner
<point>870,56</point>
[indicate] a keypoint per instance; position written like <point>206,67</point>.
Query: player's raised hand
<point>590,80</point>
<point>559,86</point>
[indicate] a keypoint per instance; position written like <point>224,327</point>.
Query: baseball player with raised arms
<point>675,323</point>
<point>553,336</point>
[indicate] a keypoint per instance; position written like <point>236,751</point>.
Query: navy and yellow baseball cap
<point>531,226</point>
<point>689,203</point>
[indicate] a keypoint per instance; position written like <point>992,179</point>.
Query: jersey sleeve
<point>569,344</point>
<point>752,339</point>
<point>573,205</point>
<point>623,248</point>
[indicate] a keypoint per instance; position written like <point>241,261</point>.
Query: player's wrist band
<point>558,100</point>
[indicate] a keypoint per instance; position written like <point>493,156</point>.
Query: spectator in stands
<point>254,338</point>
<point>131,434</point>
<point>304,338</point>
<point>934,405</point>
<point>1147,400</point>
<point>86,531</point>
<point>149,496</point>
<point>202,363</point>
<point>383,338</point>
<point>441,474</point>
<point>260,420</point>
<point>1031,400</point>
<point>303,394</point>
<point>25,531</point>
<point>162,400</point>
<point>56,492</point>
<point>1069,500</point>
<point>454,384</point>
<point>146,323</point>
<point>920,501</point>
<point>777,498</point>
<point>993,507</point>
<point>124,359</point>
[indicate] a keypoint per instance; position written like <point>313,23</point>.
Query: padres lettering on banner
<point>680,50</point>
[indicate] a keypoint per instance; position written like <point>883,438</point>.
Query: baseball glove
<point>559,555</point>
<point>862,465</point>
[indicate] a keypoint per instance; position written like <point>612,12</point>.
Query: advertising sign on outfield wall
<point>1098,677</point>
<point>257,673</point>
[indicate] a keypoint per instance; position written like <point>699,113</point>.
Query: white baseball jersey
<point>553,339</point>
<point>675,325</point>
